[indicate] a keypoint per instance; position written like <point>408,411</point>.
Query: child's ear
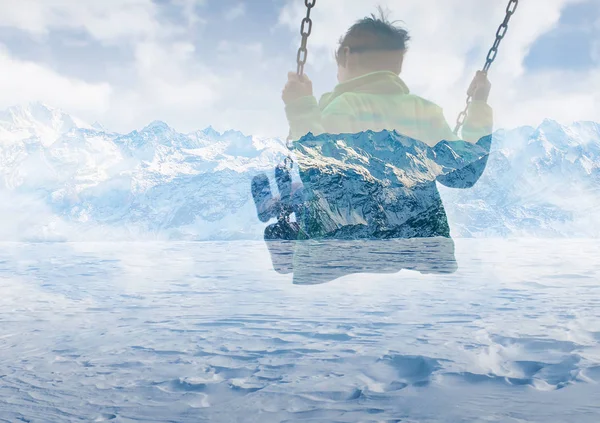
<point>343,58</point>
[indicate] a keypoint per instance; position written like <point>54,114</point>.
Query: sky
<point>195,63</point>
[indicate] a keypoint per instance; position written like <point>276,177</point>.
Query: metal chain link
<point>492,54</point>
<point>305,31</point>
<point>282,172</point>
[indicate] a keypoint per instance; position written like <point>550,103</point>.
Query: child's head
<point>371,44</point>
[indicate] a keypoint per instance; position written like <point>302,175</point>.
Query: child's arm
<point>304,114</point>
<point>462,162</point>
<point>464,159</point>
<point>479,122</point>
<point>480,118</point>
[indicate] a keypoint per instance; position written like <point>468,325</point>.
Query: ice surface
<point>193,332</point>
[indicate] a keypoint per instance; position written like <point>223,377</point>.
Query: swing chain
<point>492,54</point>
<point>282,173</point>
<point>305,31</point>
<point>502,30</point>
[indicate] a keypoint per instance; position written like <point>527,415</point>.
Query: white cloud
<point>106,20</point>
<point>166,80</point>
<point>173,86</point>
<point>595,53</point>
<point>565,96</point>
<point>23,82</point>
<point>170,85</point>
<point>235,12</point>
<point>190,12</point>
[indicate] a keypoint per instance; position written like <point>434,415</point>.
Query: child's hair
<point>374,33</point>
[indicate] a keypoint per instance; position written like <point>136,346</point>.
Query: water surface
<point>191,332</point>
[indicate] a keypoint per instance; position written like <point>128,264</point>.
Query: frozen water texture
<point>192,332</point>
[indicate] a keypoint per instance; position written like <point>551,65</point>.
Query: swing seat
<point>313,262</point>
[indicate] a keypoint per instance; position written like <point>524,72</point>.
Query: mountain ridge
<point>82,182</point>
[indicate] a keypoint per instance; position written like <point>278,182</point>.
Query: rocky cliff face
<point>380,185</point>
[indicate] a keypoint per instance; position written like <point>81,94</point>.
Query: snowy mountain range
<point>542,182</point>
<point>63,179</point>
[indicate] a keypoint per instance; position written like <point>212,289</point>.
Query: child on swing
<point>372,96</point>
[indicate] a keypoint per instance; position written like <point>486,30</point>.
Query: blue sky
<point>570,45</point>
<point>194,63</point>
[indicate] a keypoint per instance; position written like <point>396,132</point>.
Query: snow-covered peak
<point>158,127</point>
<point>210,133</point>
<point>577,136</point>
<point>36,113</point>
<point>37,120</point>
<point>197,185</point>
<point>98,126</point>
<point>551,125</point>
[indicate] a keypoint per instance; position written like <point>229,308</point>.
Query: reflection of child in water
<point>371,96</point>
